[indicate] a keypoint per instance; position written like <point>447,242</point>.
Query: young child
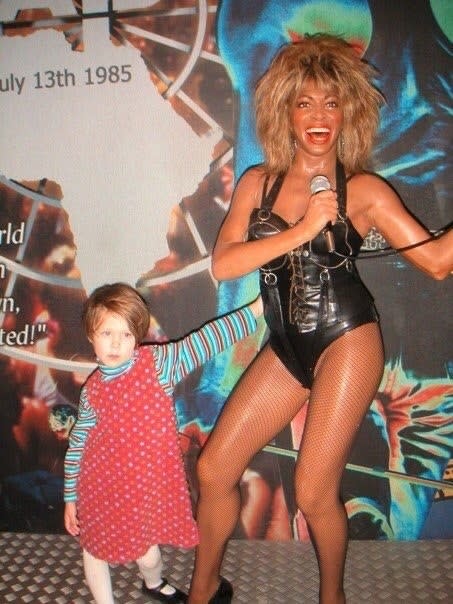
<point>125,485</point>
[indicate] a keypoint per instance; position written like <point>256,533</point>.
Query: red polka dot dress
<point>132,488</point>
<point>123,466</point>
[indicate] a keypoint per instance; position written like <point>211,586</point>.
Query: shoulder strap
<point>340,178</point>
<point>268,198</point>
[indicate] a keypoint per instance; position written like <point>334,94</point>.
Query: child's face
<point>113,341</point>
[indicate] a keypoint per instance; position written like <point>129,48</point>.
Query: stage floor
<point>48,569</point>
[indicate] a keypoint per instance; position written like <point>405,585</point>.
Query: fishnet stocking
<point>253,415</point>
<point>264,401</point>
<point>347,378</point>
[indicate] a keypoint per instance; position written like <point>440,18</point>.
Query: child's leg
<point>150,566</point>
<point>97,575</point>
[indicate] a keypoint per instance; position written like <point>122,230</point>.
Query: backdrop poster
<point>124,125</point>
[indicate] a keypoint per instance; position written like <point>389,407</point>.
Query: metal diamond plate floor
<point>48,569</point>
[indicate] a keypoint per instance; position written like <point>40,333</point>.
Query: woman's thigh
<point>347,377</point>
<point>263,402</point>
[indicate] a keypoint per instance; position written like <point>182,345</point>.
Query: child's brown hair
<point>122,300</point>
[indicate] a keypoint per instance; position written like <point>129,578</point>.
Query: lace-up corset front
<point>306,277</point>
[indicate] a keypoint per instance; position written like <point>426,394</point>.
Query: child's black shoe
<point>156,593</point>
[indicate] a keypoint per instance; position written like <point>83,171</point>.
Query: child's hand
<point>71,522</point>
<point>257,307</point>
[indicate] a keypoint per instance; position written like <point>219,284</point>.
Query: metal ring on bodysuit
<point>269,278</point>
<point>324,276</point>
<point>263,214</point>
<point>271,228</point>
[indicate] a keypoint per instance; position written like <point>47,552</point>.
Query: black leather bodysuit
<point>311,297</point>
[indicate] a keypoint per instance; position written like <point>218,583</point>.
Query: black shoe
<point>224,593</point>
<point>156,593</point>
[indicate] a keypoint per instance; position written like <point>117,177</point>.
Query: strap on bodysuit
<point>328,306</point>
<point>340,178</point>
<point>268,199</point>
<point>273,308</point>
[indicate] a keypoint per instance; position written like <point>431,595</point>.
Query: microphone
<point>317,184</point>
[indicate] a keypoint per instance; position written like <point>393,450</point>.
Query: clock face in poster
<point>113,116</point>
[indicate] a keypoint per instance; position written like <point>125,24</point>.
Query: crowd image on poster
<point>125,126</point>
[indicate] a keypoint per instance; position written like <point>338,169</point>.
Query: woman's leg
<point>346,380</point>
<point>264,401</point>
<point>97,575</point>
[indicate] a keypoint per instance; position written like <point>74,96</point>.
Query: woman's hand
<point>71,521</point>
<point>322,208</point>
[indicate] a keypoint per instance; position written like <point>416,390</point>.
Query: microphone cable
<point>389,251</point>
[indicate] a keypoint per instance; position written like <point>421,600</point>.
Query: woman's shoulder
<point>368,193</point>
<point>254,179</point>
<point>253,173</point>
<point>371,188</point>
<point>249,186</point>
<point>366,180</point>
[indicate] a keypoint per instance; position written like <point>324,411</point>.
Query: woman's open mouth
<point>318,135</point>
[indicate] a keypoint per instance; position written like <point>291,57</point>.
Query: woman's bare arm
<point>400,229</point>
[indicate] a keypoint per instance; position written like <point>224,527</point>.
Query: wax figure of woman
<point>125,485</point>
<point>317,113</point>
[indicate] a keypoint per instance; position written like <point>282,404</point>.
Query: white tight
<point>97,573</point>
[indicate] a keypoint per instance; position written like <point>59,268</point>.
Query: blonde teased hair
<point>334,64</point>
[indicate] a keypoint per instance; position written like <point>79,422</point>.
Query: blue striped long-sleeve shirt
<point>173,362</point>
